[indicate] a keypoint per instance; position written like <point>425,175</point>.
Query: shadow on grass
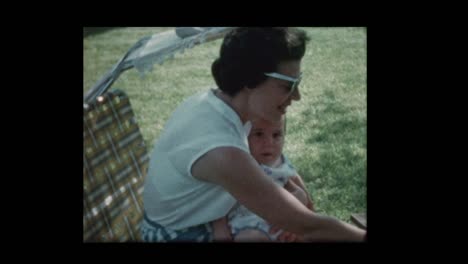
<point>88,31</point>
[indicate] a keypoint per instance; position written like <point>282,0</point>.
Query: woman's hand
<point>221,230</point>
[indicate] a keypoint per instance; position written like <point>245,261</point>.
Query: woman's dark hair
<point>247,53</point>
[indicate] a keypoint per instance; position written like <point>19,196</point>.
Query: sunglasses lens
<point>294,81</point>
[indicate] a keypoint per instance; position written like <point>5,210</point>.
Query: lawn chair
<point>115,158</point>
<point>114,165</point>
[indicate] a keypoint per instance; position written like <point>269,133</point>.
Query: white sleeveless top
<point>172,197</point>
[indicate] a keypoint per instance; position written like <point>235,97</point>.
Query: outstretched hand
<point>284,236</point>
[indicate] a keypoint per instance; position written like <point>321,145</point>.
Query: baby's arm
<point>296,182</point>
<point>297,191</point>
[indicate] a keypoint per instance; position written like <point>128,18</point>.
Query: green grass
<point>327,128</point>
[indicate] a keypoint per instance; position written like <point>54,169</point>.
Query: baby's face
<point>266,141</point>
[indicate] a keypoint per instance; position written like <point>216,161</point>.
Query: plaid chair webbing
<point>114,167</point>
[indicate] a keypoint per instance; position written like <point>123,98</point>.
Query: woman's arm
<point>240,175</point>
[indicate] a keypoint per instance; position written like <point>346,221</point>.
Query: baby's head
<point>266,140</point>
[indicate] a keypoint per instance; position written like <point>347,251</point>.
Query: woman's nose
<point>296,95</point>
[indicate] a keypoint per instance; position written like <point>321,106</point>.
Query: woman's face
<point>266,141</point>
<point>271,98</point>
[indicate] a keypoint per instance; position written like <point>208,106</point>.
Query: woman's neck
<point>238,103</point>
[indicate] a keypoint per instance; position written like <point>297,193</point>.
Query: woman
<point>201,164</point>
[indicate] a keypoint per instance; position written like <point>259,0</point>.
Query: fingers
<point>287,237</point>
<point>283,236</point>
<point>310,205</point>
<point>274,230</point>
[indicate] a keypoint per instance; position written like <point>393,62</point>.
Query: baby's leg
<point>251,235</point>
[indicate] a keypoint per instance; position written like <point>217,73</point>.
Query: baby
<point>266,142</point>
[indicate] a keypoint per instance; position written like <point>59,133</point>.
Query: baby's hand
<point>296,188</point>
<point>301,195</point>
<point>284,236</point>
<point>310,204</point>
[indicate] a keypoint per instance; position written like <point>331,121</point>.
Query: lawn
<point>327,129</point>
